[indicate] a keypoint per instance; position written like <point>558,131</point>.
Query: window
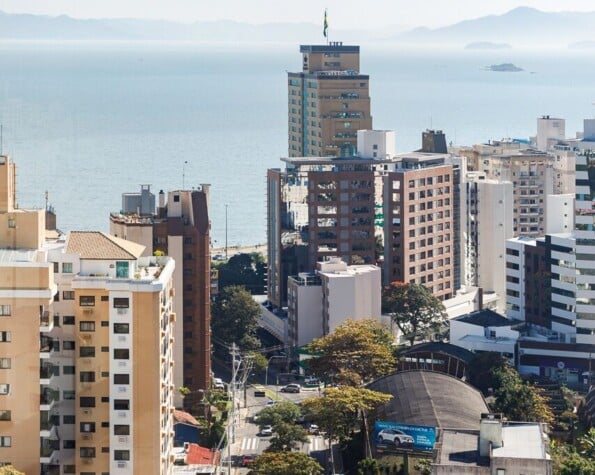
<point>56,267</point>
<point>67,267</point>
<point>121,429</point>
<point>121,353</point>
<point>4,363</point>
<point>87,351</point>
<point>68,469</point>
<point>122,269</point>
<point>121,302</point>
<point>105,374</point>
<point>87,427</point>
<point>68,370</point>
<point>105,450</point>
<point>5,337</point>
<point>68,395</point>
<point>68,295</point>
<point>176,198</point>
<point>68,320</point>
<point>121,454</point>
<point>68,419</point>
<point>87,402</point>
<point>5,311</point>
<point>105,424</point>
<point>5,415</point>
<point>105,298</point>
<point>87,326</point>
<point>105,349</point>
<point>121,379</point>
<point>68,345</point>
<point>87,452</point>
<point>87,376</point>
<point>121,404</point>
<point>87,300</point>
<point>105,399</point>
<point>5,441</point>
<point>68,444</point>
<point>4,389</point>
<point>121,328</point>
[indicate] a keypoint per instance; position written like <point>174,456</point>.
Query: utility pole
<point>232,415</point>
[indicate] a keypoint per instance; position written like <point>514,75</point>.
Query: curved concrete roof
<point>430,398</point>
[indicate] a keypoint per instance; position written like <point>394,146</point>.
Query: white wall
<point>376,143</point>
<point>549,129</point>
<point>559,217</point>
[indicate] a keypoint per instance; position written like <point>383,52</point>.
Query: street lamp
<point>226,232</point>
<point>266,375</point>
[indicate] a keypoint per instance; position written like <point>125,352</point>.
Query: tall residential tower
<point>329,101</point>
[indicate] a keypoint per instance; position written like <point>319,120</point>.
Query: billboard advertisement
<point>395,436</point>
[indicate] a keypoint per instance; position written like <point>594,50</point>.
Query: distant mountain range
<point>519,27</point>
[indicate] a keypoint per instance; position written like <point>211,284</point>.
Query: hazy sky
<point>342,13</point>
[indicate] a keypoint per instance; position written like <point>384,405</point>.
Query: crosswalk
<point>315,444</point>
<point>249,444</point>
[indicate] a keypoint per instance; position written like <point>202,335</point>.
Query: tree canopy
<point>518,400</point>
<point>286,463</point>
<point>482,367</point>
<point>287,436</point>
<point>10,470</point>
<point>234,318</point>
<point>567,461</point>
<point>285,411</point>
<point>247,270</point>
<point>357,351</point>
<point>413,309</point>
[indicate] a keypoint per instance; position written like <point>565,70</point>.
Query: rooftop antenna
<point>1,139</point>
<point>47,195</point>
<point>325,27</point>
<point>184,173</point>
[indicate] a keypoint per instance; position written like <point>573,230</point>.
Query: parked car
<point>291,388</point>
<point>218,383</point>
<point>266,431</point>
<point>314,429</point>
<point>247,460</point>
<point>396,437</point>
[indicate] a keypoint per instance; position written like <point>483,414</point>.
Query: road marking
<point>249,444</point>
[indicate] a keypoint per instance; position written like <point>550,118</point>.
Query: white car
<point>395,437</point>
<point>218,383</point>
<point>266,431</point>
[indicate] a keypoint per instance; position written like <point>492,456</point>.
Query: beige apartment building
<point>328,102</point>
<point>86,331</point>
<point>419,223</point>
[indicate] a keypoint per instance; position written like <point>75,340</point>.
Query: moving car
<point>396,437</point>
<point>247,460</point>
<point>266,431</point>
<point>291,388</point>
<point>314,429</point>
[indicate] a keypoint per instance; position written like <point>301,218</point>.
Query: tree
<point>246,270</point>
<point>286,463</point>
<point>587,444</point>
<point>234,318</point>
<point>482,367</point>
<point>285,411</point>
<point>518,400</point>
<point>337,411</point>
<point>567,461</point>
<point>288,436</point>
<point>413,309</point>
<point>357,351</point>
<point>10,470</point>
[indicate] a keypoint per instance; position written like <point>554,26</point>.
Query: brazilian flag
<point>324,31</point>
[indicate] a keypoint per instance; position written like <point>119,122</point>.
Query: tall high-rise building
<point>328,102</point>
<point>86,335</point>
<point>180,228</point>
<point>318,208</point>
<point>419,223</point>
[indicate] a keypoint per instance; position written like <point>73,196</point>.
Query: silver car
<point>395,437</point>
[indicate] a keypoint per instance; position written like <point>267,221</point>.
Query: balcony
<point>47,399</point>
<point>49,454</point>
<point>46,374</point>
<point>46,346</point>
<point>46,324</point>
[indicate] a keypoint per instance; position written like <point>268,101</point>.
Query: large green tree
<point>414,309</point>
<point>338,411</point>
<point>247,270</point>
<point>287,436</point>
<point>358,351</point>
<point>286,463</point>
<point>518,400</point>
<point>234,318</point>
<point>482,368</point>
<point>567,461</point>
<point>285,411</point>
<point>10,470</point>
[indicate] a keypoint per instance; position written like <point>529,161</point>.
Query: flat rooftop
<point>523,441</point>
<point>487,318</point>
<point>333,160</point>
<point>10,256</point>
<point>332,47</point>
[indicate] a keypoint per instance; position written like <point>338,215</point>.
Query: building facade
<point>328,102</point>
<point>179,228</point>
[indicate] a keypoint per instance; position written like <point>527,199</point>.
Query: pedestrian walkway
<point>249,444</point>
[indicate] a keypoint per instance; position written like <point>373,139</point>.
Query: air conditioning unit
<point>121,338</point>
<point>122,311</point>
<point>87,412</point>
<point>87,437</point>
<point>88,311</point>
<point>87,461</point>
<point>122,464</point>
<point>123,440</point>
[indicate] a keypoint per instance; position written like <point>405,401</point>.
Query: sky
<point>342,14</point>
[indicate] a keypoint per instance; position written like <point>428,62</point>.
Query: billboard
<point>395,436</point>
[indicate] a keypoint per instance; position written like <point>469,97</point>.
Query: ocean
<point>87,122</point>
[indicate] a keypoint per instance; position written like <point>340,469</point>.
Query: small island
<point>504,68</point>
<point>487,45</point>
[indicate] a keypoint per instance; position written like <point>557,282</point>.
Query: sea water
<point>87,122</point>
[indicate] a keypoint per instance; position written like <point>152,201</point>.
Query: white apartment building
<point>488,224</point>
<point>559,217</point>
<point>376,144</point>
<point>550,131</point>
<point>319,302</point>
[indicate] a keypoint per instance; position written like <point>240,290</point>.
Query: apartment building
<point>320,301</point>
<point>318,208</point>
<point>86,330</point>
<point>419,223</point>
<point>179,228</point>
<point>328,102</point>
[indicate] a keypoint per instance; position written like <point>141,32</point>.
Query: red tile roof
<point>182,416</point>
<point>197,455</point>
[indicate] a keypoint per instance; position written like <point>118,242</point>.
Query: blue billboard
<point>395,436</point>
